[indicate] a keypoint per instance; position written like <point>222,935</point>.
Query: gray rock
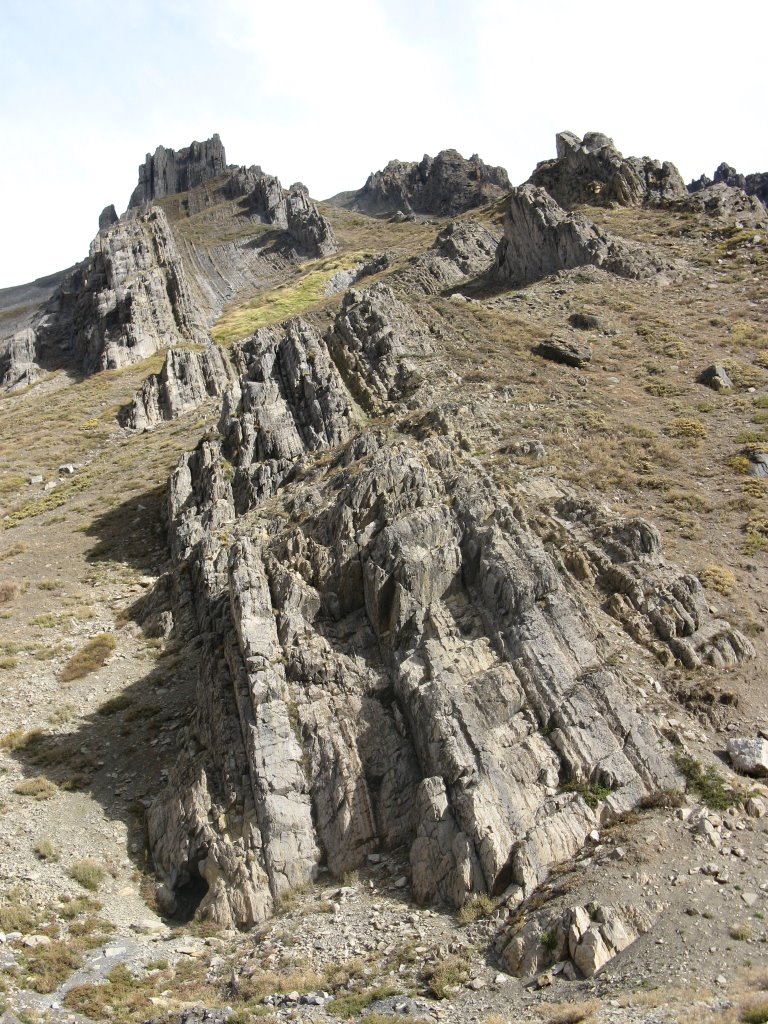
<point>751,184</point>
<point>722,202</point>
<point>749,756</point>
<point>716,377</point>
<point>443,185</point>
<point>107,218</point>
<point>591,170</point>
<point>568,350</point>
<point>462,249</point>
<point>18,363</point>
<point>540,239</point>
<point>758,465</point>
<point>169,172</point>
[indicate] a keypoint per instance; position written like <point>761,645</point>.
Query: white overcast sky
<point>325,92</point>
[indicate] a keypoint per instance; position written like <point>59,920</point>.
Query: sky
<point>326,92</point>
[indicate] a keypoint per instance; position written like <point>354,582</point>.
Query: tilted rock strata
<point>187,379</point>
<point>443,186</point>
<point>132,296</point>
<point>540,238</point>
<point>388,651</point>
<point>463,249</point>
<point>591,170</point>
<point>168,172</point>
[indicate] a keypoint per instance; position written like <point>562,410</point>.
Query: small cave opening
<point>189,891</point>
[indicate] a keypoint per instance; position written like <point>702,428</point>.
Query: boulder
<point>566,350</point>
<point>716,377</point>
<point>749,756</point>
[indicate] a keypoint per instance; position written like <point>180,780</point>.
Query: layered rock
<point>168,172</point>
<point>540,238</point>
<point>132,296</point>
<point>591,170</point>
<point>389,654</point>
<point>187,379</point>
<point>443,186</point>
<point>463,249</point>
<point>18,363</point>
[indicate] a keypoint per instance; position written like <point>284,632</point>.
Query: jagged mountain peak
<point>443,185</point>
<point>169,171</point>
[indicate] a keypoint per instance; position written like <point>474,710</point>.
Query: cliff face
<point>167,171</point>
<point>443,185</point>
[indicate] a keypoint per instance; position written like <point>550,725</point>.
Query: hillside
<point>383,592</point>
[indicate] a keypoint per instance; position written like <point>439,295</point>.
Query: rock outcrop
<point>389,654</point>
<point>463,249</point>
<point>540,238</point>
<point>752,184</point>
<point>591,170</point>
<point>295,212</point>
<point>579,939</point>
<point>442,186</point>
<point>169,172</point>
<point>131,296</point>
<point>187,379</point>
<point>726,203</point>
<point>18,363</point>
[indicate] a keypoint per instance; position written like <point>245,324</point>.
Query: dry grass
<point>570,1013</point>
<point>20,739</point>
<point>91,657</point>
<point>87,873</point>
<point>717,577</point>
<point>8,590</point>
<point>477,906</point>
<point>39,788</point>
<point>45,850</point>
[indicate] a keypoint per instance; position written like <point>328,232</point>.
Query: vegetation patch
<point>279,304</point>
<point>478,905</point>
<point>91,657</point>
<point>707,783</point>
<point>445,975</point>
<point>87,873</point>
<point>39,788</point>
<point>349,1006</point>
<point>718,578</point>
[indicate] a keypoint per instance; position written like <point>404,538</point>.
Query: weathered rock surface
<point>591,170</point>
<point>540,238</point>
<point>295,212</point>
<point>589,937</point>
<point>132,296</point>
<point>749,756</point>
<point>463,249</point>
<point>443,186</point>
<point>389,652</point>
<point>726,203</point>
<point>168,172</point>
<point>18,363</point>
<point>186,380</point>
<point>752,184</point>
<point>569,350</point>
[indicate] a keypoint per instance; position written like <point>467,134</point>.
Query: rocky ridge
<point>444,186</point>
<point>752,184</point>
<point>168,171</point>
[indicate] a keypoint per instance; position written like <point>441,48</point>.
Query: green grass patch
<point>87,873</point>
<point>707,783</point>
<point>278,304</point>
